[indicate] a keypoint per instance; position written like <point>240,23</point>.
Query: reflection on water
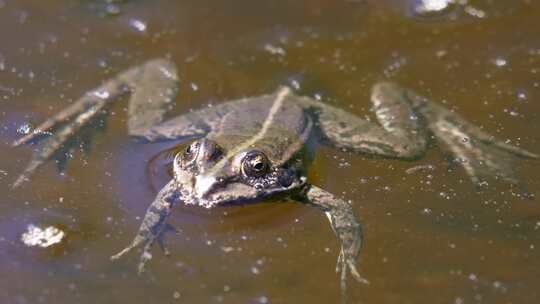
<point>430,237</point>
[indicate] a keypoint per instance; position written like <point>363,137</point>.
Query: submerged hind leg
<point>152,87</point>
<point>406,121</point>
<point>481,155</point>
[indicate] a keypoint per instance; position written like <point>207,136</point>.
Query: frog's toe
<point>145,257</point>
<point>347,264</point>
<point>161,238</point>
<point>481,155</point>
<point>483,160</point>
<point>66,131</point>
<point>147,243</point>
<point>163,246</point>
<point>343,263</point>
<point>134,244</point>
<point>355,274</point>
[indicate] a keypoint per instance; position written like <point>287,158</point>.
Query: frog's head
<point>210,176</point>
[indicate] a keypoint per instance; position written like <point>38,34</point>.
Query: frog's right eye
<point>188,150</point>
<point>191,151</point>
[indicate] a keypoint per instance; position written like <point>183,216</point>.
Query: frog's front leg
<point>406,122</point>
<point>346,227</point>
<point>154,224</point>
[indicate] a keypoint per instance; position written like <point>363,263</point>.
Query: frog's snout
<point>208,152</point>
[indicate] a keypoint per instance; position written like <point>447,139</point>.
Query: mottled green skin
<point>283,139</point>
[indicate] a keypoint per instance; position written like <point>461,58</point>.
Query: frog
<point>256,149</point>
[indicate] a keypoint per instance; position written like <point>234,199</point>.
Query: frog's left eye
<point>255,164</point>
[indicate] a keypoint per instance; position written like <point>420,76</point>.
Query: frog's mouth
<point>208,192</point>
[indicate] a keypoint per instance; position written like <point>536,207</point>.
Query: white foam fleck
<point>37,236</point>
<point>138,25</point>
<point>432,6</point>
<point>274,50</point>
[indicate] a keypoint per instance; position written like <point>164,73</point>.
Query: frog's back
<point>274,124</point>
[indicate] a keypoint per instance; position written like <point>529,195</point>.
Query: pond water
<point>430,237</point>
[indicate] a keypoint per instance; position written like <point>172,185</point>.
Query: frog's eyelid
<point>172,152</point>
<point>175,156</point>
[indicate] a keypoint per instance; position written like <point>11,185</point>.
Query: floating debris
<point>394,67</point>
<point>138,25</point>
<point>431,6</point>
<point>475,12</point>
<point>420,168</point>
<point>255,270</point>
<point>500,62</point>
<point>36,236</point>
<point>227,249</point>
<point>274,50</point>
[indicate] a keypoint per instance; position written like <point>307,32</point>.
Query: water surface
<point>430,237</point>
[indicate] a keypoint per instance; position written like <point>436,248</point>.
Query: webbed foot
<point>346,227</point>
<point>404,118</point>
<point>152,86</point>
<point>154,226</point>
<point>481,155</point>
<point>344,263</point>
<point>146,242</point>
<point>145,255</point>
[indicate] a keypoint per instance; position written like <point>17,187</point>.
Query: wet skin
<point>251,149</point>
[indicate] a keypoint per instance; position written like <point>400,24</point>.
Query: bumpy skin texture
<point>277,125</point>
<point>154,224</point>
<point>345,226</point>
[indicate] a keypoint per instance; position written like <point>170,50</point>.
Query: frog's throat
<point>276,106</point>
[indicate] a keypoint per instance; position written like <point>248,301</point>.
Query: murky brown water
<point>430,238</point>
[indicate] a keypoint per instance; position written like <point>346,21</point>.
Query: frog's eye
<point>255,164</point>
<point>190,151</point>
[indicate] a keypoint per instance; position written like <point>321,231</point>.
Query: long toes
<point>19,181</point>
<point>344,264</point>
<point>339,264</point>
<point>137,241</point>
<point>57,143</point>
<point>516,151</point>
<point>343,282</point>
<point>355,274</point>
<point>490,161</point>
<point>121,253</point>
<point>145,257</point>
<point>163,245</point>
<point>480,159</point>
<point>171,228</point>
